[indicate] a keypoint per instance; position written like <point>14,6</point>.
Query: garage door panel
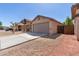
<point>42,27</point>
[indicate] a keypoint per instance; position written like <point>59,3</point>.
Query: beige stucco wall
<point>53,27</point>
<point>40,20</point>
<point>76,27</point>
<point>77,11</point>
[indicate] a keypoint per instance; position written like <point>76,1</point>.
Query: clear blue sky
<point>16,12</point>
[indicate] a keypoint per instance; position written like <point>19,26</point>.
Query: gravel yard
<point>6,33</point>
<point>56,45</point>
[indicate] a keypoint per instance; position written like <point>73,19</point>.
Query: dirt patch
<point>7,33</point>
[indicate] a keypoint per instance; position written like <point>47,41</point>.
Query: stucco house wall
<point>53,26</point>
<point>52,23</point>
<point>75,16</point>
<point>40,20</point>
<point>76,27</point>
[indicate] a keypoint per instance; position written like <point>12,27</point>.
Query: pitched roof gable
<point>52,19</point>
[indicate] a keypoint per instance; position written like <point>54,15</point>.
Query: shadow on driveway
<point>54,36</point>
<point>36,34</point>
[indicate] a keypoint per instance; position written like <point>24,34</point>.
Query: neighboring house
<point>19,27</point>
<point>24,27</point>
<point>75,16</point>
<point>43,24</point>
<point>27,26</point>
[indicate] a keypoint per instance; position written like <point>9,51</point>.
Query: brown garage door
<point>41,28</point>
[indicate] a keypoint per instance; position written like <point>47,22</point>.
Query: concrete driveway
<point>11,40</point>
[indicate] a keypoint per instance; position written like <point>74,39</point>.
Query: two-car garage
<point>41,27</point>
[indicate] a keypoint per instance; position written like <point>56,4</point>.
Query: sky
<point>11,12</point>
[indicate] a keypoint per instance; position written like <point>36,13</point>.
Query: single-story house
<point>24,27</point>
<point>19,26</point>
<point>43,24</point>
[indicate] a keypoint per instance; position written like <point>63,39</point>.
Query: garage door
<point>41,28</point>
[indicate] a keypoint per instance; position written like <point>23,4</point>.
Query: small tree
<point>68,21</point>
<point>13,25</point>
<point>0,23</point>
<point>1,27</point>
